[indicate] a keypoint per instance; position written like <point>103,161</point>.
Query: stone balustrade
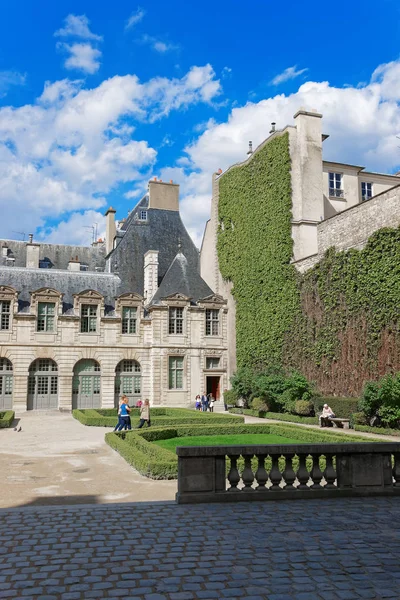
<point>272,472</point>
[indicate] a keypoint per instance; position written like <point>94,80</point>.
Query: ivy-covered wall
<point>254,250</point>
<point>339,322</point>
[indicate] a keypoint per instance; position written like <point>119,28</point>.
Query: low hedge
<point>379,430</point>
<point>6,418</point>
<point>158,463</point>
<point>171,416</point>
<point>275,416</point>
<point>342,407</point>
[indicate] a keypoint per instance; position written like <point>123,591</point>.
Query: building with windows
<point>332,204</point>
<point>79,326</point>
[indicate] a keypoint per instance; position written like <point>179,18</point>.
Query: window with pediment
<point>129,318</point>
<point>8,304</point>
<point>46,316</point>
<point>5,312</point>
<point>175,320</point>
<point>88,318</point>
<point>212,321</point>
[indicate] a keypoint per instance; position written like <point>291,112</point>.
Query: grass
<point>224,440</point>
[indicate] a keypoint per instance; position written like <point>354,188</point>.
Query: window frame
<point>210,322</point>
<point>175,371</point>
<point>369,193</point>
<point>89,317</point>
<point>5,314</point>
<point>127,322</point>
<point>46,317</point>
<point>175,320</point>
<point>210,366</point>
<point>335,190</point>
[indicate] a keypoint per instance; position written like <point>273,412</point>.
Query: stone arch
<point>42,384</point>
<point>86,384</point>
<point>6,384</point>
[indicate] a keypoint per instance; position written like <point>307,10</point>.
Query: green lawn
<point>224,440</point>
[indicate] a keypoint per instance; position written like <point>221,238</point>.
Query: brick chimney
<point>150,274</point>
<point>32,253</point>
<point>110,229</point>
<point>164,196</point>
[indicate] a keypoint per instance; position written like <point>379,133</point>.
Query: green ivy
<point>254,249</point>
<point>332,323</point>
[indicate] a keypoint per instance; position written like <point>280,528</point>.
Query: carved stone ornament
<point>176,299</point>
<point>173,351</point>
<point>213,352</point>
<point>7,293</point>
<point>213,299</point>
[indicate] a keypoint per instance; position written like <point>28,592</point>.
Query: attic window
<point>143,215</point>
<point>45,264</point>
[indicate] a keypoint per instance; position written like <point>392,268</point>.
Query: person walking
<point>125,421</point>
<point>197,404</point>
<point>211,403</point>
<point>145,414</point>
<point>119,415</point>
<point>204,402</point>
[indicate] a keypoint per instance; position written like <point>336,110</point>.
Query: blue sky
<point>96,98</point>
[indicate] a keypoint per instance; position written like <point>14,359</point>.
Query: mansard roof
<point>181,278</point>
<point>57,256</point>
<point>68,283</point>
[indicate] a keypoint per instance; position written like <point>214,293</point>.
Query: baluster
<point>316,473</point>
<point>247,475</point>
<point>396,469</point>
<point>329,473</point>
<point>261,474</point>
<point>302,474</point>
<point>275,474</point>
<point>233,475</point>
<point>289,476</point>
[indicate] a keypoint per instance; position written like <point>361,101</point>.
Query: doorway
<point>213,386</point>
<point>43,385</point>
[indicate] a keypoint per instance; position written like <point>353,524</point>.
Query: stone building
<point>333,204</point>
<point>79,326</point>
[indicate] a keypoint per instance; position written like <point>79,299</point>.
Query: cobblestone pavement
<point>301,550</point>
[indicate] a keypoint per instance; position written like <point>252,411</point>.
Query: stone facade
<point>72,338</point>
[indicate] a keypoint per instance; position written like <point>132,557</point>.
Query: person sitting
<point>326,415</point>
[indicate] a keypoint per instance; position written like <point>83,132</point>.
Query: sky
<point>96,98</point>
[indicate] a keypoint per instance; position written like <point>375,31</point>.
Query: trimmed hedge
<point>276,416</point>
<point>379,430</point>
<point>6,418</point>
<point>170,416</point>
<point>342,407</point>
<point>158,463</point>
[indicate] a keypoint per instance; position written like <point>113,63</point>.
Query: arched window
<point>128,381</point>
<point>86,384</point>
<point>6,384</point>
<point>43,385</point>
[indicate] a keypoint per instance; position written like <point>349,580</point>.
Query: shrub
<point>173,416</point>
<point>342,407</point>
<point>369,402</point>
<point>304,407</point>
<point>260,404</point>
<point>230,397</point>
<point>390,416</point>
<point>378,430</point>
<point>6,418</point>
<point>276,416</point>
<point>359,418</point>
<point>380,400</point>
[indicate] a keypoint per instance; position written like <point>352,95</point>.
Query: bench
<point>340,423</point>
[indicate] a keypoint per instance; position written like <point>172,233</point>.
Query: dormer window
<point>46,316</point>
<point>5,312</point>
<point>212,321</point>
<point>143,215</point>
<point>88,318</point>
<point>129,316</point>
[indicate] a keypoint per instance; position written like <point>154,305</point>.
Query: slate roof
<point>163,231</point>
<point>181,278</point>
<point>67,282</point>
<point>57,254</point>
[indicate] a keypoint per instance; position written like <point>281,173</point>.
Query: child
<point>145,414</point>
<point>198,402</point>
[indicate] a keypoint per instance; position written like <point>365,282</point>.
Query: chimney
<point>272,130</point>
<point>163,196</point>
<point>150,275</point>
<point>74,264</point>
<point>4,250</point>
<point>250,150</point>
<point>32,254</point>
<point>110,229</point>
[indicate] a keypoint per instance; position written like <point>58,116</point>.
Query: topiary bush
<point>260,404</point>
<point>6,418</point>
<point>304,408</point>
<point>359,418</point>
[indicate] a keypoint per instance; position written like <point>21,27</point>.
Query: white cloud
<point>135,18</point>
<point>287,74</point>
<point>362,121</point>
<point>77,26</point>
<point>77,229</point>
<point>82,57</point>
<point>226,72</point>
<point>158,45</point>
<point>135,193</point>
<point>9,79</point>
<point>70,148</point>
